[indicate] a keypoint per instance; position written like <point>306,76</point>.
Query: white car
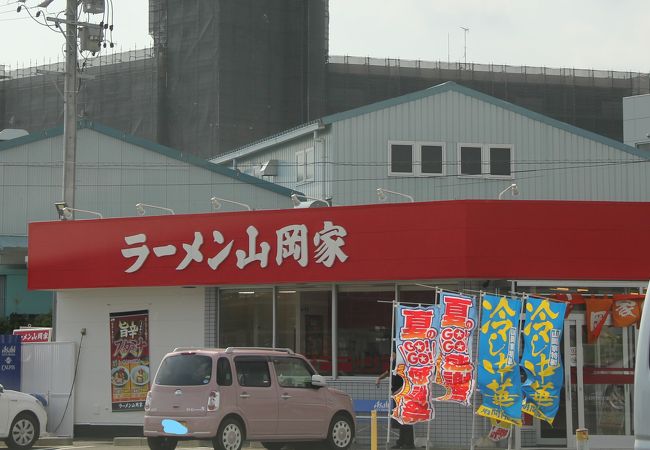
<point>22,418</point>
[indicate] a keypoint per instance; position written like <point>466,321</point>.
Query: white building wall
<point>636,119</point>
<point>175,320</point>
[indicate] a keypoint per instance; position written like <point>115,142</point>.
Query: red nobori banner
<point>448,239</point>
<point>415,339</point>
<point>454,367</point>
<point>129,332</point>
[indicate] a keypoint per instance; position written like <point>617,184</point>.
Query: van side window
<point>224,374</point>
<point>253,372</point>
<point>293,372</point>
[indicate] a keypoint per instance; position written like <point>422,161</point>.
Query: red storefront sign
<point>31,335</point>
<point>450,239</point>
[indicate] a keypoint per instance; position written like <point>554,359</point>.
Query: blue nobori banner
<point>542,359</point>
<point>498,359</point>
<point>10,364</point>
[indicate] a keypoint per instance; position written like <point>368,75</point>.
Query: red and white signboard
<point>449,239</point>
<point>31,334</point>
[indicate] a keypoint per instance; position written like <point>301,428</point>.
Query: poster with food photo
<point>129,332</point>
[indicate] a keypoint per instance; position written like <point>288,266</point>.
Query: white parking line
<point>76,446</point>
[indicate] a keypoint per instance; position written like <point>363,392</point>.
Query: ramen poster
<point>130,374</point>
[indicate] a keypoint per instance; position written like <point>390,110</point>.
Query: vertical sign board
<point>10,361</point>
<point>129,334</point>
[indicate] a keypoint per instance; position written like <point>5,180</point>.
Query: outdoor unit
<point>269,168</point>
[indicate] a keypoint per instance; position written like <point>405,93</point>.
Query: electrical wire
<point>74,379</point>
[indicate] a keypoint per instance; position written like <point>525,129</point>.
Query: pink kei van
<point>244,393</point>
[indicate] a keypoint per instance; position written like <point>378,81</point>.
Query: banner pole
<point>476,362</point>
<point>426,446</point>
<point>390,367</point>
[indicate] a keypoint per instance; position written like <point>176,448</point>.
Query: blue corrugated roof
<point>152,146</point>
<point>452,86</point>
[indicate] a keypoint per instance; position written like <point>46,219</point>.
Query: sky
<point>584,34</point>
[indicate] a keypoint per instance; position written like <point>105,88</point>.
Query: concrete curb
<point>54,441</point>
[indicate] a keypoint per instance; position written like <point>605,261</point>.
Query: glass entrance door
<point>600,384</point>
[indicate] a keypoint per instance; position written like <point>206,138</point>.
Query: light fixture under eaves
<point>216,203</point>
<point>513,188</point>
<point>140,208</point>
<point>381,194</point>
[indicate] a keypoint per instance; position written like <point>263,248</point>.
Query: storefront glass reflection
<point>607,385</point>
<point>246,317</point>
<point>304,324</point>
<point>364,315</point>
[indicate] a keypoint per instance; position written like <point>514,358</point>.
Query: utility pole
<point>70,103</point>
<point>465,47</point>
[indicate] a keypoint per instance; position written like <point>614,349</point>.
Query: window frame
<point>252,359</point>
<point>459,148</point>
<point>416,158</point>
<point>390,159</point>
<point>308,151</point>
<point>419,145</point>
<point>302,161</point>
<point>309,368</point>
<point>485,160</point>
<point>488,156</point>
<point>301,168</point>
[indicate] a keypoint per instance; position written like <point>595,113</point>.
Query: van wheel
<point>341,433</point>
<point>24,432</point>
<point>162,443</point>
<point>273,445</point>
<point>230,435</point>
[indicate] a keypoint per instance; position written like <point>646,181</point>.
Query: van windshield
<point>185,370</point>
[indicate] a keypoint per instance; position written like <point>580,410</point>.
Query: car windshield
<point>185,370</point>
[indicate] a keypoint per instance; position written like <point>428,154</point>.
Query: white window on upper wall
<point>432,158</point>
<point>493,161</point>
<point>300,166</point>
<point>416,158</point>
<point>310,164</point>
<point>305,165</point>
<point>470,159</point>
<point>500,160</point>
<point>401,158</point>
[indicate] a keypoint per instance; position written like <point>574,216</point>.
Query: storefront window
<point>246,317</point>
<point>364,328</point>
<point>304,324</point>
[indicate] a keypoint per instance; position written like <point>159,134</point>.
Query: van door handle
<point>285,396</point>
<point>244,395</point>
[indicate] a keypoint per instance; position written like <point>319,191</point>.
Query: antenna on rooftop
<point>465,30</point>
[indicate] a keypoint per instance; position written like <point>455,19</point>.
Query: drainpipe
<point>319,144</point>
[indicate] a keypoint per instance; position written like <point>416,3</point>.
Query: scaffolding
<point>224,73</point>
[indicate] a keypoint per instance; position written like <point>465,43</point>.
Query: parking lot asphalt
<point>135,444</point>
<point>126,444</point>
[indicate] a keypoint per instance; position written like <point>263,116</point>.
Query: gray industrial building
<point>447,142</point>
<point>224,73</point>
